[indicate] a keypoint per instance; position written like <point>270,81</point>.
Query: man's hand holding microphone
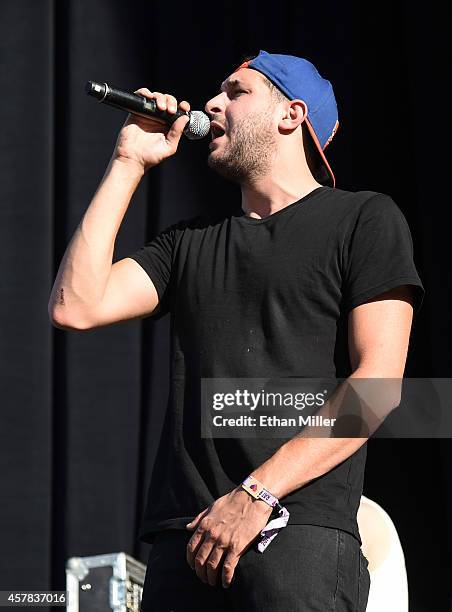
<point>147,141</point>
<point>157,109</point>
<point>89,290</point>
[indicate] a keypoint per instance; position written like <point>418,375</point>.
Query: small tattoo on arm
<point>61,301</point>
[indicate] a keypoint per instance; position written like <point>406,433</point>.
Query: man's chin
<point>215,152</point>
<point>215,161</point>
<point>223,167</point>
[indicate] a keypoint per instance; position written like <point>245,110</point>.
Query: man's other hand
<point>223,532</point>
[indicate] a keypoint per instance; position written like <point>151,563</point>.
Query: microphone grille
<point>198,126</point>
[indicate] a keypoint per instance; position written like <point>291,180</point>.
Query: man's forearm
<point>300,460</point>
<point>85,267</point>
<point>306,457</point>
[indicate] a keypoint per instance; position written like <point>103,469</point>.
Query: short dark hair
<point>276,93</point>
<point>310,150</point>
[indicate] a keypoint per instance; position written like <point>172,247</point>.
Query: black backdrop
<point>81,412</point>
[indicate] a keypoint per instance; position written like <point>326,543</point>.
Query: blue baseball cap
<point>297,78</point>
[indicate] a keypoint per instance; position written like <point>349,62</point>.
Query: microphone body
<point>198,126</point>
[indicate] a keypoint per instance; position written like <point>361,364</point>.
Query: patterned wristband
<point>271,530</point>
<point>257,490</point>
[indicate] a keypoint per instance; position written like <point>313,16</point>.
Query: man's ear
<point>295,113</point>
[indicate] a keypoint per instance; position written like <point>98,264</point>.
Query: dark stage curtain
<point>81,412</point>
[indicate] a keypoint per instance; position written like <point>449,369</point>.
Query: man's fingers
<point>153,95</point>
<point>194,523</point>
<point>165,102</point>
<point>184,105</point>
<point>229,565</point>
<point>144,91</point>
<point>168,103</point>
<point>171,104</point>
<point>204,549</point>
<point>175,131</point>
<point>192,548</point>
<point>212,564</point>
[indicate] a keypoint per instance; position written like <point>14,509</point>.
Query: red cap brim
<point>332,179</point>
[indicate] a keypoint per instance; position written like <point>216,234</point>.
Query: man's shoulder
<point>200,222</point>
<point>354,200</point>
<point>349,206</point>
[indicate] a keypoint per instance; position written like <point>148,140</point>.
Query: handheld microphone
<point>198,126</point>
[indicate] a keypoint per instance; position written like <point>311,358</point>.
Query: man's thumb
<point>176,129</point>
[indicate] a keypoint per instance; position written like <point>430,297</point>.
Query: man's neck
<point>266,196</point>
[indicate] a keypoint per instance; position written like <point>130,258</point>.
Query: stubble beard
<point>249,152</point>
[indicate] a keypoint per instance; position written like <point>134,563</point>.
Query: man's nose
<point>214,105</point>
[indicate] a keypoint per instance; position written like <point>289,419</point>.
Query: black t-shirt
<point>257,298</point>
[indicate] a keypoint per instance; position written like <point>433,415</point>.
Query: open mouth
<point>216,131</point>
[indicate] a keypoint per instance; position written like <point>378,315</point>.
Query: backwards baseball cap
<point>299,79</point>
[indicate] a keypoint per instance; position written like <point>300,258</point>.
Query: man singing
<point>301,280</point>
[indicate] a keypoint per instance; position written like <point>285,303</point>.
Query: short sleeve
<point>156,258</point>
<point>378,255</point>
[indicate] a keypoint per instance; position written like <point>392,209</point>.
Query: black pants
<point>306,568</point>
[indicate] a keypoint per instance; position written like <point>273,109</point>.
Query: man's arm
<point>379,332</point>
<point>89,291</point>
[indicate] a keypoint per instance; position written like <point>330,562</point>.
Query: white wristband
<point>257,490</point>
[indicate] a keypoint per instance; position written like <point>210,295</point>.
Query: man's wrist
<point>129,167</point>
<point>259,504</point>
<point>257,490</point>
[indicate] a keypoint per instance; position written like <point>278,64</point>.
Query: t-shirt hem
<point>159,287</point>
<point>371,292</point>
<point>149,529</point>
<point>160,309</point>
